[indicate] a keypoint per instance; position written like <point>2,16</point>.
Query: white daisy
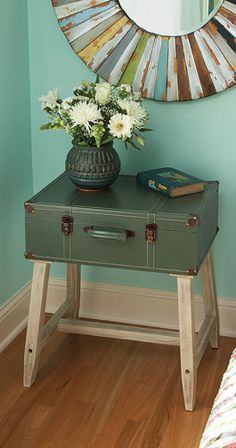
<point>120,126</point>
<point>50,100</point>
<point>84,114</point>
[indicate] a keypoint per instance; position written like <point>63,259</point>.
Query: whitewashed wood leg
<point>35,327</point>
<point>210,298</point>
<point>187,341</point>
<point>73,289</point>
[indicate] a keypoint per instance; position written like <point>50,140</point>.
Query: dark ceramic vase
<point>91,168</point>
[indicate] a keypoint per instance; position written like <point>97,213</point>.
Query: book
<point>170,182</point>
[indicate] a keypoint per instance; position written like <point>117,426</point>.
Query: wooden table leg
<point>35,327</point>
<point>73,289</point>
<point>187,340</point>
<point>209,298</point>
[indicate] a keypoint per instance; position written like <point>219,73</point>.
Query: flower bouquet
<point>95,115</point>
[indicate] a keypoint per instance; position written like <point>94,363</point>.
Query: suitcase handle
<point>109,233</point>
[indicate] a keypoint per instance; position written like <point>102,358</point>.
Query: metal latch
<point>67,225</point>
<point>151,233</point>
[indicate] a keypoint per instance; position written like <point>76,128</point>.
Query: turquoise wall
<point>15,150</point>
<point>198,137</point>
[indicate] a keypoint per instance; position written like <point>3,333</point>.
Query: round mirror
<point>170,17</point>
<point>168,50</point>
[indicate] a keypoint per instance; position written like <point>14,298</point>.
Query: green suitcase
<point>126,226</point>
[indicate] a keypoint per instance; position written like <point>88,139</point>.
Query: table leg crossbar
<point>119,331</point>
<point>192,345</point>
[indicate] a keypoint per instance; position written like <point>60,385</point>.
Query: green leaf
<point>107,140</point>
<point>145,129</point>
<point>47,126</point>
<point>133,144</point>
<point>81,142</point>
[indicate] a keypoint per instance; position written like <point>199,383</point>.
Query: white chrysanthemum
<point>67,102</point>
<point>50,100</point>
<point>120,126</point>
<point>122,103</point>
<point>103,91</point>
<point>84,114</point>
<point>136,112</point>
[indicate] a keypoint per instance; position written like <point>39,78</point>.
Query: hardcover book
<point>170,182</point>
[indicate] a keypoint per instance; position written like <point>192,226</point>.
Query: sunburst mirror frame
<point>164,68</point>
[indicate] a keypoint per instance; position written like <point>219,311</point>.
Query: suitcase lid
<point>126,197</point>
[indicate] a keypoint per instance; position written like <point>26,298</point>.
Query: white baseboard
<point>117,303</point>
<point>141,306</point>
<point>13,316</point>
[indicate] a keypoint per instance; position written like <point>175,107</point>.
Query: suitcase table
<point>126,226</point>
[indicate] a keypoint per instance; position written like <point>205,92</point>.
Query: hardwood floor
<point>104,393</point>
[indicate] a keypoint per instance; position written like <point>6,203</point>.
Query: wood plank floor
<point>103,393</point>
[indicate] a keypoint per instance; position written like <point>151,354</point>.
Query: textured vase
<point>92,168</point>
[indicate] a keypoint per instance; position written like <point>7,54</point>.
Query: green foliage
<point>97,132</point>
<point>48,126</point>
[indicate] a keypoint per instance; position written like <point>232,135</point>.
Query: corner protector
<point>193,221</point>
<point>28,207</point>
<point>29,255</point>
<point>192,272</point>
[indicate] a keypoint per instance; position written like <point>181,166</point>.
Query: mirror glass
<point>170,17</point>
